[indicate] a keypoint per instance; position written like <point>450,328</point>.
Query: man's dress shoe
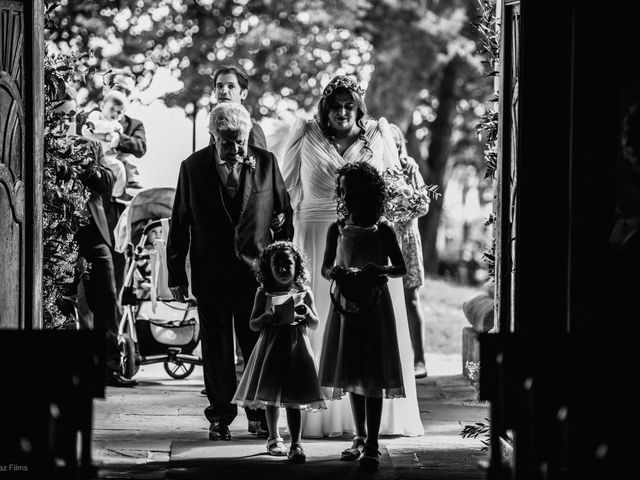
<point>258,428</point>
<point>219,431</point>
<point>253,426</point>
<point>263,431</point>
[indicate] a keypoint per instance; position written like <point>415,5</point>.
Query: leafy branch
<point>478,429</point>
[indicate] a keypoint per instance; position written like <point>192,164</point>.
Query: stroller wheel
<point>177,369</point>
<point>127,356</point>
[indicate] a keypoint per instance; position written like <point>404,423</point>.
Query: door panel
<point>21,118</point>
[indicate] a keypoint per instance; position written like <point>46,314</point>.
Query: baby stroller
<point>153,328</point>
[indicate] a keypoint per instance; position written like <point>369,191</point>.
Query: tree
<point>428,79</point>
<point>426,70</point>
<point>290,55</point>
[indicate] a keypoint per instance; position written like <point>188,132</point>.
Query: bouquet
<point>405,201</point>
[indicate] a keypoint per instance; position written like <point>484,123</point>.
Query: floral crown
<point>342,82</point>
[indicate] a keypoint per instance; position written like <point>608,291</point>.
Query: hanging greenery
<point>487,129</point>
<point>64,195</point>
<point>488,27</point>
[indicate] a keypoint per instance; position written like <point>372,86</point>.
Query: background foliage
<point>422,61</point>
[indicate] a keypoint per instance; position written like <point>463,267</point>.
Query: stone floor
<point>157,431</point>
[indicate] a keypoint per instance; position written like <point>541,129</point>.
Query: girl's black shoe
<point>370,459</point>
<point>296,454</point>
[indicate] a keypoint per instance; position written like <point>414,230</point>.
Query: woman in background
<point>411,244</point>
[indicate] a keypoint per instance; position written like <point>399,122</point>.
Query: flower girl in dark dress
<point>281,371</point>
<point>360,349</point>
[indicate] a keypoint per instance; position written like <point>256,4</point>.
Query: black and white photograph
<point>345,239</point>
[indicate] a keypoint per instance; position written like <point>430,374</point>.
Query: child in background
<point>104,126</point>
<point>281,371</point>
<point>133,143</point>
<point>360,352</point>
<point>142,274</point>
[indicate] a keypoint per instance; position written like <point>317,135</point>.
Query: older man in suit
<point>227,196</point>
<point>231,84</point>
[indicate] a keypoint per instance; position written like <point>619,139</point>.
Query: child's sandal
<point>370,458</point>
<point>296,454</point>
<point>354,452</point>
<point>276,447</point>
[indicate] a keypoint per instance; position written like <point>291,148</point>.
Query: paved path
<point>157,431</point>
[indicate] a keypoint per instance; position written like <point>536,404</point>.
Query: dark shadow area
<point>442,465</point>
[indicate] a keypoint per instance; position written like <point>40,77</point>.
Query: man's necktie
<point>233,178</point>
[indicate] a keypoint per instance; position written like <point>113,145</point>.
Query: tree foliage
<point>290,54</point>
<point>291,48</point>
<point>420,60</point>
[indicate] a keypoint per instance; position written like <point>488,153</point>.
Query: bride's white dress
<point>309,167</point>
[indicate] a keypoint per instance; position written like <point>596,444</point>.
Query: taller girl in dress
<point>360,348</point>
<point>342,134</point>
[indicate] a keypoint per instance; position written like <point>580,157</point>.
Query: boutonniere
<point>250,163</point>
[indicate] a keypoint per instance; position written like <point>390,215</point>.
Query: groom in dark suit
<point>227,196</point>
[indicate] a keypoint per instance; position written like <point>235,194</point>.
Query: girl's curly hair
<point>263,271</point>
<point>370,194</point>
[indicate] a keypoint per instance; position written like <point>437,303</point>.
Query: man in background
<point>231,84</point>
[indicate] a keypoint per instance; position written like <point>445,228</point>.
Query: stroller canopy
<point>148,205</point>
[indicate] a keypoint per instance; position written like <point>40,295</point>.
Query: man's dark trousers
<point>100,290</point>
<point>223,236</point>
<point>216,313</point>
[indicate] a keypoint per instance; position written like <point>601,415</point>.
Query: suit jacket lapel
<point>211,172</point>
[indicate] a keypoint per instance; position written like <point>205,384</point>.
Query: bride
<point>317,148</point>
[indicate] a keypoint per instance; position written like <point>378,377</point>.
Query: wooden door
<point>21,128</point>
<point>507,170</point>
<point>568,293</point>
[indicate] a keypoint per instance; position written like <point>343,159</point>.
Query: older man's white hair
<point>230,117</point>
